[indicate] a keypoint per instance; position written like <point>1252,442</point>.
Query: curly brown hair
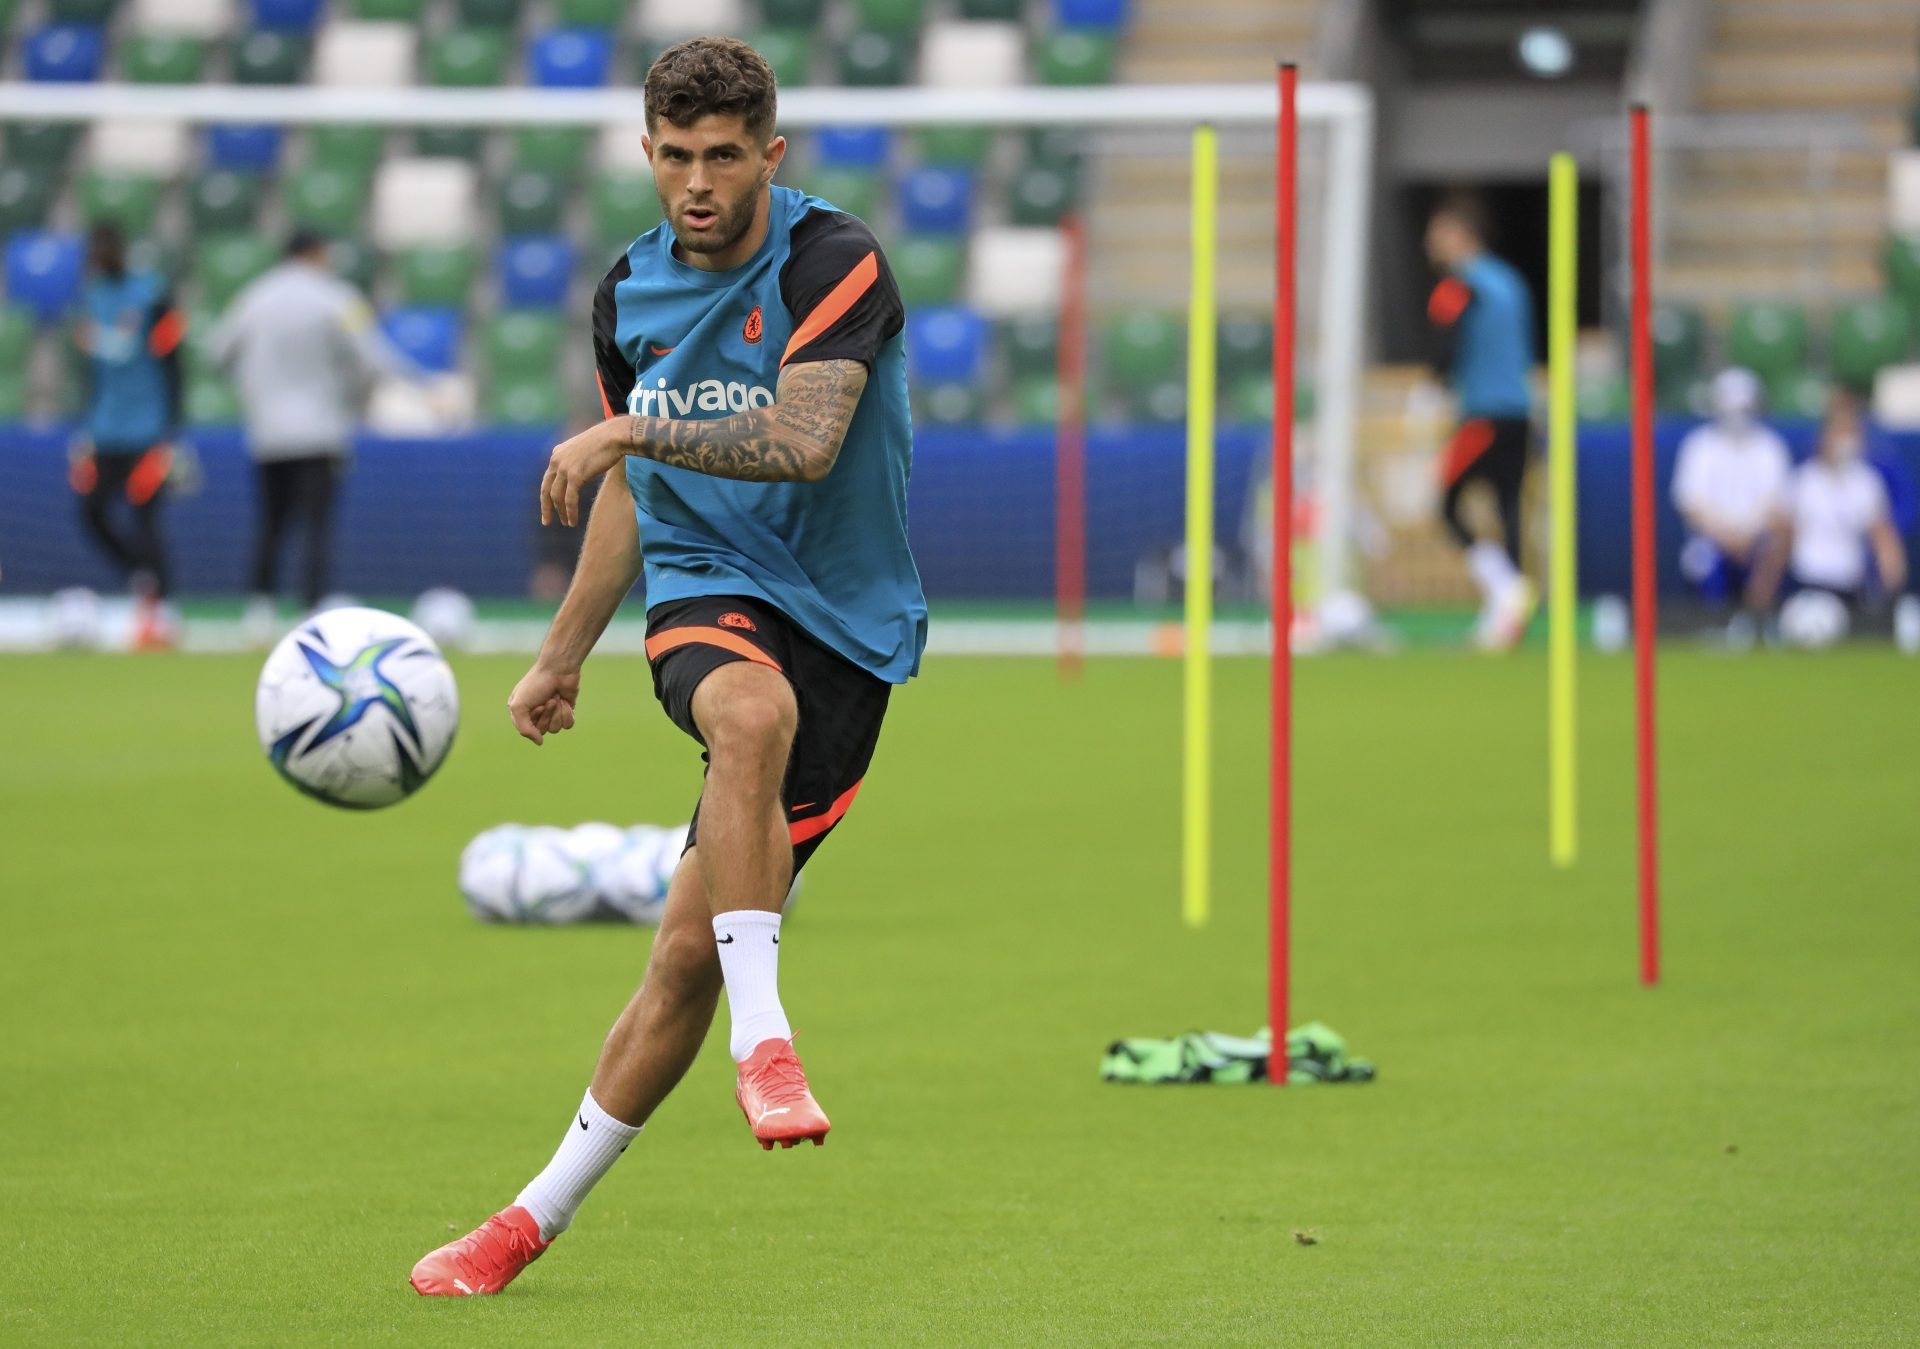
<point>705,75</point>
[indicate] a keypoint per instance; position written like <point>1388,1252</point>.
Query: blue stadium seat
<point>947,345</point>
<point>570,58</point>
<point>298,15</point>
<point>534,271</point>
<point>1089,13</point>
<point>43,271</point>
<point>66,52</point>
<point>247,149</point>
<point>936,200</point>
<point>429,334</point>
<point>855,147</point>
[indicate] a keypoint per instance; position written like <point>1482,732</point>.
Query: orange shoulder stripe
<point>839,300</point>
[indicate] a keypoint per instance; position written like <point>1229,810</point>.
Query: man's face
<point>1448,241</point>
<point>709,177</point>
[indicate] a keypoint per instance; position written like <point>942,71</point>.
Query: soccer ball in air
<point>357,708</point>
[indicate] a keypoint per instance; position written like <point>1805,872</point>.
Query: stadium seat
<point>467,58</point>
<point>225,263</point>
<point>1900,259</point>
<point>16,337</point>
<point>789,51</point>
<point>625,206</point>
<point>1162,401</point>
<point>792,13</point>
<point>973,55</point>
<point>350,149</point>
<point>1247,399</point>
<point>436,274</point>
<point>296,15</point>
<point>1769,339</point>
<point>1679,346</point>
<point>268,58</point>
<point>525,399</point>
<point>65,53</point>
<point>43,271</point>
<point>323,199</point>
<point>1039,195</point>
<point>530,202</point>
<point>151,147</point>
<point>161,58</point>
<point>533,273</point>
<point>450,142</point>
<point>1013,270</point>
<point>947,404</point>
<point>570,58</point>
<point>203,19</point>
<point>677,19</point>
<point>424,201</point>
<point>622,150</point>
<point>13,394</point>
<point>1076,56</point>
<point>903,17</point>
<point>131,201</point>
<point>355,260</point>
<point>1245,347</point>
<point>392,11</point>
<point>1029,342</point>
<point>1141,349</point>
<point>522,340</point>
<point>366,55</point>
<point>965,146</point>
<point>869,59</point>
<point>1603,398</point>
<point>1110,14</point>
<point>946,344</point>
<point>1867,336</point>
<point>249,148</point>
<point>1036,400</point>
<point>855,191</point>
<point>1798,393</point>
<point>1005,11</point>
<point>588,13</point>
<point>221,201</point>
<point>211,401</point>
<point>558,151</point>
<point>489,13</point>
<point>864,147</point>
<point>430,336</point>
<point>81,11</point>
<point>928,271</point>
<point>936,200</point>
<point>26,195</point>
<point>155,255</point>
<point>46,145</point>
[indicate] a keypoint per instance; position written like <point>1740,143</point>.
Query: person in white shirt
<point>1730,485</point>
<point>1835,516</point>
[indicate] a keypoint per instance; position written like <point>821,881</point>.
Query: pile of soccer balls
<point>518,873</point>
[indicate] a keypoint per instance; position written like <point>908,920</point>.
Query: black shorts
<point>841,705</point>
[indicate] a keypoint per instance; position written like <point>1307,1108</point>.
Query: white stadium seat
<point>189,18</point>
<point>621,151</point>
<point>973,55</point>
<point>154,149</point>
<point>1015,271</point>
<point>689,18</point>
<point>424,201</point>
<point>366,55</point>
<point>1903,192</point>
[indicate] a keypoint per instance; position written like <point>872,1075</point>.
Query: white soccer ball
<point>446,615</point>
<point>1813,620</point>
<point>73,617</point>
<point>633,880</point>
<point>357,708</point>
<point>516,873</point>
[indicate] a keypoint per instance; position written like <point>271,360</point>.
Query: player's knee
<point>753,720</point>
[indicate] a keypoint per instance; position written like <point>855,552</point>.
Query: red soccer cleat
<point>485,1260</point>
<point>772,1092</point>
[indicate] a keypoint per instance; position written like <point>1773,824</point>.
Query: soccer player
<point>130,332</point>
<point>1482,314</point>
<point>755,452</point>
<point>1729,485</point>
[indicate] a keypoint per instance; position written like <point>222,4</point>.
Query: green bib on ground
<point>1315,1053</point>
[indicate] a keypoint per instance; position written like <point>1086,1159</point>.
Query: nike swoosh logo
<point>725,940</point>
<point>783,1110</point>
<point>804,805</point>
<point>583,1121</point>
<point>776,939</point>
<point>659,351</point>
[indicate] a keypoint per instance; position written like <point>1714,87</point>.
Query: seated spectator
<point>1730,485</point>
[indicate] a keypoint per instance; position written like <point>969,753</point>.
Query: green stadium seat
<point>16,337</point>
<point>467,58</point>
<point>1798,393</point>
<point>556,150</point>
<point>1901,262</point>
<point>1247,399</point>
<point>522,339</point>
<point>855,191</point>
<point>1768,338</point>
<point>221,201</point>
<point>948,404</point>
<point>1039,196</point>
<point>589,13</point>
<point>900,17</point>
<point>624,206</point>
<point>155,255</point>
<point>1076,56</point>
<point>13,394</point>
<point>525,399</point>
<point>928,271</point>
<point>439,275</point>
<point>1679,350</point>
<point>450,142</point>
<point>354,259</point>
<point>1245,347</point>
<point>792,13</point>
<point>1161,400</point>
<point>265,56</point>
<point>26,195</point>
<point>1603,398</point>
<point>1060,148</point>
<point>488,13</point>
<point>995,11</point>
<point>81,11</point>
<point>531,202</point>
<point>350,149</point>
<point>1030,343</point>
<point>131,201</point>
<point>211,401</point>
<point>1036,400</point>
<point>788,50</point>
<point>966,146</point>
<point>1867,336</point>
<point>1140,349</point>
<point>161,58</point>
<point>870,59</point>
<point>396,11</point>
<point>42,144</point>
<point>225,263</point>
<point>324,199</point>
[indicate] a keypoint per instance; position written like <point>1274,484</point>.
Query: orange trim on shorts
<point>839,300</point>
<point>802,830</point>
<point>662,642</point>
<point>149,475</point>
<point>1472,440</point>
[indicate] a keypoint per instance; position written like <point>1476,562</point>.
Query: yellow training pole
<point>1196,797</point>
<point>1562,600</point>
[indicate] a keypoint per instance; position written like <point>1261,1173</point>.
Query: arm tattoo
<point>796,439</point>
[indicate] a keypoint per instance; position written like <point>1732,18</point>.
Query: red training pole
<point>1644,600</point>
<point>1070,453</point>
<point>1280,792</point>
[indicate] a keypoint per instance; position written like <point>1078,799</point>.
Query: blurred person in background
<point>1730,486</point>
<point>303,351</point>
<point>130,333</point>
<point>1482,315</point>
<point>1834,517</point>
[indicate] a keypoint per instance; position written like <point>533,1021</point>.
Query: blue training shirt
<point>1488,312</point>
<point>672,340</point>
<point>132,336</point>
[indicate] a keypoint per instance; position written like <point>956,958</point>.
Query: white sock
<point>593,1144</point>
<point>1492,570</point>
<point>749,943</point>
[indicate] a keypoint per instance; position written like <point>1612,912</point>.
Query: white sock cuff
<point>597,1118</point>
<point>745,920</point>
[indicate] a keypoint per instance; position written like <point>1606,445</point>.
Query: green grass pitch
<point>257,1058</point>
